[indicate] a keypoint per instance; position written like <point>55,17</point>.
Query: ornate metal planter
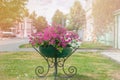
<point>55,59</point>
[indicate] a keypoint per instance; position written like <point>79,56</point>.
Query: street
<point>12,44</point>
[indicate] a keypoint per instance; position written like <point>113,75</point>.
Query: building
<point>89,29</point>
<point>24,28</point>
<point>117,29</point>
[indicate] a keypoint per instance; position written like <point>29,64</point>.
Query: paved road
<point>11,44</point>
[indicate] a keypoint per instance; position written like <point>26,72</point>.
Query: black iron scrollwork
<point>55,62</point>
<point>72,70</point>
<point>40,72</point>
<point>61,62</point>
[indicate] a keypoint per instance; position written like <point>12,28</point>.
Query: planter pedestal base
<point>55,63</point>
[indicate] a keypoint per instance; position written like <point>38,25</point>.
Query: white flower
<point>75,43</point>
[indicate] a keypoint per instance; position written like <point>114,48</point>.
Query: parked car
<point>8,35</point>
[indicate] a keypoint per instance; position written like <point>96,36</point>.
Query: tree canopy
<point>39,22</point>
<point>59,18</point>
<point>10,11</point>
<point>103,14</point>
<point>76,17</point>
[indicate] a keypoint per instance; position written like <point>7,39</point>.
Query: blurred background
<point>96,21</point>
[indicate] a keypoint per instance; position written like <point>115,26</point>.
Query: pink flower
<point>56,36</point>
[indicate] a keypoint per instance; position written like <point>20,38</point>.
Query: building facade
<point>24,28</point>
<point>89,29</point>
<point>117,29</point>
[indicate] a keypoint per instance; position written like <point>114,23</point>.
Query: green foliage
<point>90,66</point>
<point>103,14</point>
<point>76,17</point>
<point>11,11</point>
<point>59,18</point>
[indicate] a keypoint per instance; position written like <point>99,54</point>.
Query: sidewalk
<point>114,55</point>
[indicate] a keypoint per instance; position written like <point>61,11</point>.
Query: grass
<point>27,45</point>
<point>90,66</point>
<point>95,45</point>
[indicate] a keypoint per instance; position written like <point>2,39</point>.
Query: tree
<point>26,13</point>
<point>103,11</point>
<point>11,11</point>
<point>76,17</point>
<point>33,16</point>
<point>59,18</point>
<point>39,22</point>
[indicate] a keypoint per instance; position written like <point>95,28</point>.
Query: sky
<point>47,8</point>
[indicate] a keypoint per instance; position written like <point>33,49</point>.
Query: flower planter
<point>52,52</point>
<point>60,38</point>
